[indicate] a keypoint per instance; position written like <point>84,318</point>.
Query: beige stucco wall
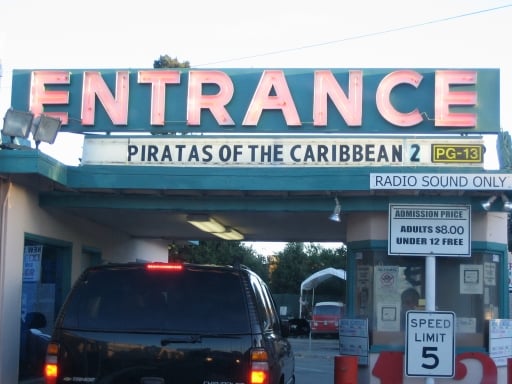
<point>20,214</point>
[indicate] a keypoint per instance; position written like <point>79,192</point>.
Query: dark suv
<point>169,324</point>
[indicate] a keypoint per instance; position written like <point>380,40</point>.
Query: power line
<point>358,37</point>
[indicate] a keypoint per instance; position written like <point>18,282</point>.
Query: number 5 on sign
<point>430,344</point>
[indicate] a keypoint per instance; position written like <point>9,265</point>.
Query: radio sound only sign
<point>429,230</point>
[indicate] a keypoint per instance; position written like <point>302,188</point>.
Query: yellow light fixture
<point>208,224</point>
<point>205,223</point>
<point>229,234</point>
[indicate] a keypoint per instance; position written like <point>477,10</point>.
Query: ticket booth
<point>470,283</point>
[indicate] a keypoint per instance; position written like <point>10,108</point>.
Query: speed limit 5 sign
<point>430,344</point>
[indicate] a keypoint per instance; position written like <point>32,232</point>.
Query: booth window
<point>388,286</point>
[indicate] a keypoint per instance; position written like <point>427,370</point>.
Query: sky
<point>94,34</point>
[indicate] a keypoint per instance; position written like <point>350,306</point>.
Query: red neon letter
<point>262,99</point>
<point>215,103</point>
<point>158,81</point>
<point>386,109</point>
<point>116,108</point>
<point>40,96</point>
<point>444,98</point>
<point>350,108</point>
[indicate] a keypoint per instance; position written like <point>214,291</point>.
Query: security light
<point>335,216</point>
<point>45,129</point>
<point>17,124</point>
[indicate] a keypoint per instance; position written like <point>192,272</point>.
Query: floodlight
<point>45,129</point>
<point>17,124</point>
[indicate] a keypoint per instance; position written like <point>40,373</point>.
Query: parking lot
<point>314,360</point>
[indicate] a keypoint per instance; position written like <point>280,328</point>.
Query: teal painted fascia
<point>264,203</point>
<point>206,203</point>
<point>363,245</point>
<point>32,161</point>
<point>221,178</point>
<point>236,178</point>
<point>291,179</point>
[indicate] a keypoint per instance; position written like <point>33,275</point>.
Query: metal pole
<point>430,293</point>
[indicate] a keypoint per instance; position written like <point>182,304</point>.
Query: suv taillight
<point>51,367</point>
<point>259,367</point>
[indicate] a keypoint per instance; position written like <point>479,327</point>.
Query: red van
<point>326,317</point>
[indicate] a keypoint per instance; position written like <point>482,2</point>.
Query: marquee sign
<point>311,151</point>
<point>343,101</point>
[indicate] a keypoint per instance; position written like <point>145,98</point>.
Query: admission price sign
<point>430,344</point>
<point>429,230</point>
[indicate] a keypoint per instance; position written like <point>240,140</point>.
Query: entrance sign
<point>252,100</point>
<point>429,230</point>
<point>430,344</point>
<point>261,151</point>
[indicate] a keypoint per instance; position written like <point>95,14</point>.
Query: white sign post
<point>430,231</point>
<point>430,344</point>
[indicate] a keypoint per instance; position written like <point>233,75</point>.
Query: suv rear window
<point>186,301</point>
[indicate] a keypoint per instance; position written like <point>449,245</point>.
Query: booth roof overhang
<point>265,204</point>
<point>269,188</point>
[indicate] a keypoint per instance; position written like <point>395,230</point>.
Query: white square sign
<point>429,230</point>
<point>430,344</point>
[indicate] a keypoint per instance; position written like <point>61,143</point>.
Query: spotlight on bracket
<point>507,205</point>
<point>335,216</point>
<point>486,204</point>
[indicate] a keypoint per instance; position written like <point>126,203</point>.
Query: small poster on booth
<point>387,297</point>
<point>32,256</point>
<point>471,279</point>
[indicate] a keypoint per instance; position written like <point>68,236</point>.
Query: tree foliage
<point>165,61</point>
<point>298,261</point>
<point>284,273</point>
<point>225,253</point>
